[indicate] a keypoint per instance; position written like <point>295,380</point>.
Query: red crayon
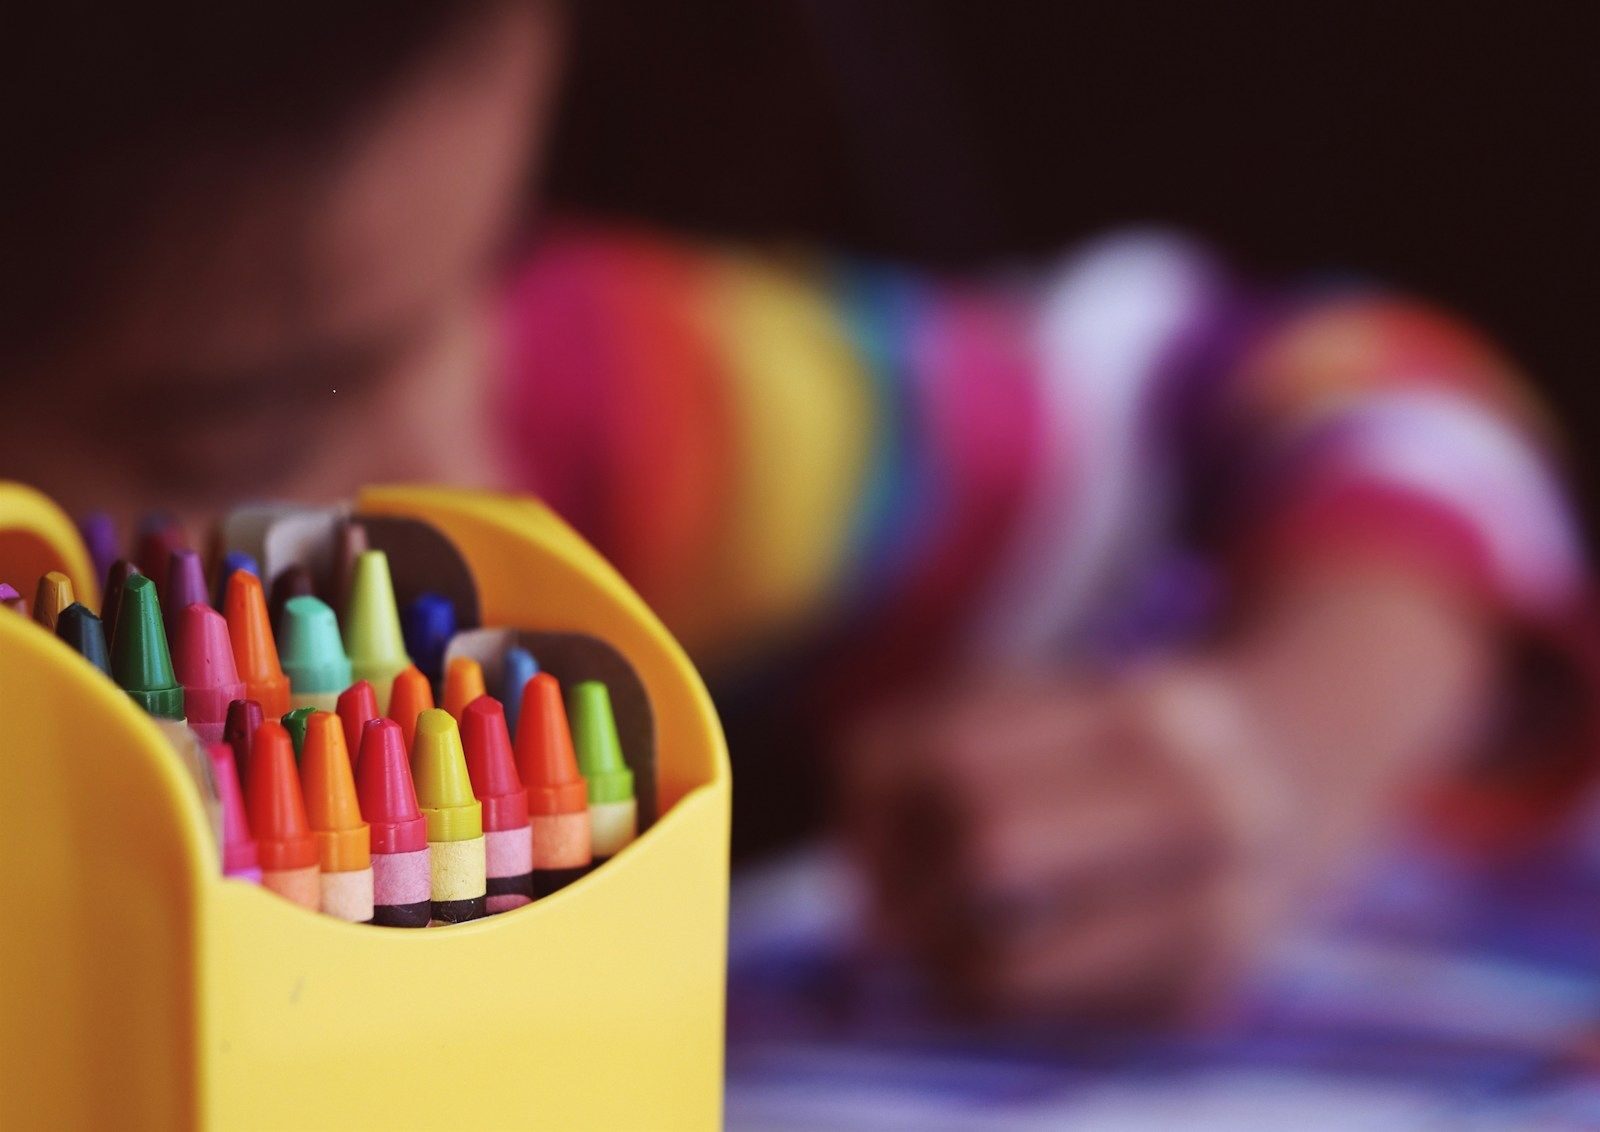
<point>290,861</point>
<point>507,836</point>
<point>402,877</point>
<point>239,857</point>
<point>202,658</point>
<point>244,716</point>
<point>357,706</point>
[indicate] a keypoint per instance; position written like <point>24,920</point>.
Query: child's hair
<point>111,102</point>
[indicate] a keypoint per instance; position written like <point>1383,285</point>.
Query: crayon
<point>463,683</point>
<point>99,533</point>
<point>507,836</point>
<point>613,809</point>
<point>277,813</point>
<point>159,536</point>
<point>140,662</point>
<point>111,601</point>
<point>357,706</point>
<point>558,797</point>
<point>343,843</point>
<point>239,857</point>
<point>202,657</point>
<point>50,597</point>
<point>349,544</point>
<point>232,563</point>
<point>402,882</point>
<point>428,623</point>
<point>372,624</point>
<point>312,654</point>
<point>458,865</point>
<point>296,581</point>
<point>86,633</point>
<point>412,695</point>
<point>294,722</point>
<point>244,717</point>
<point>255,651</point>
<point>517,669</point>
<point>186,586</point>
<point>12,600</point>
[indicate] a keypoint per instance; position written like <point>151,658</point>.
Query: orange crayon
<point>463,683</point>
<point>255,650</point>
<point>410,697</point>
<point>344,843</point>
<point>284,843</point>
<point>558,797</point>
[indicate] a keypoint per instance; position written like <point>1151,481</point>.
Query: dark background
<point>1449,154</point>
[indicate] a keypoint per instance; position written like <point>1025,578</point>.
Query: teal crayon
<point>312,653</point>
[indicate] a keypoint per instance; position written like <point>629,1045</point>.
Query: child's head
<point>246,249</point>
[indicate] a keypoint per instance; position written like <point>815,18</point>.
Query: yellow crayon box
<point>141,989</point>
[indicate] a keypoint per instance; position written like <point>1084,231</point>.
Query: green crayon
<point>613,809</point>
<point>372,626</point>
<point>295,722</point>
<point>140,662</point>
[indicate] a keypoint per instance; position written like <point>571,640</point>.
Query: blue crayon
<point>99,533</point>
<point>519,667</point>
<point>231,561</point>
<point>427,623</point>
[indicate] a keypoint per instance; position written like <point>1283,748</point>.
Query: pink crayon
<point>239,857</point>
<point>202,658</point>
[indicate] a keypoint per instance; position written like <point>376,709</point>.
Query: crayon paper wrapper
<point>561,841</point>
<point>613,826</point>
<point>509,852</point>
<point>402,878</point>
<point>459,869</point>
<point>303,886</point>
<point>348,895</point>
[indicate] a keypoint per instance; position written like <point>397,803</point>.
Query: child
<point>252,262</point>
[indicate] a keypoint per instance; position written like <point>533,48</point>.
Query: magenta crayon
<point>202,657</point>
<point>99,533</point>
<point>239,857</point>
<point>244,716</point>
<point>111,600</point>
<point>507,836</point>
<point>290,861</point>
<point>12,600</point>
<point>402,881</point>
<point>357,707</point>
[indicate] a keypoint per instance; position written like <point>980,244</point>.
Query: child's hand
<point>1060,846</point>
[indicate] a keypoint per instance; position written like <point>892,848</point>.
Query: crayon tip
<point>411,696</point>
<point>372,624</point>
<point>203,660</point>
<point>545,756</point>
<point>594,736</point>
<point>12,600</point>
<point>244,716</point>
<point>159,536</point>
<point>387,794</point>
<point>444,788</point>
<point>275,805</point>
<point>238,846</point>
<point>350,543</point>
<point>491,765</point>
<point>294,722</point>
<point>86,633</point>
<point>463,683</point>
<point>232,563</point>
<point>255,651</point>
<point>311,651</point>
<point>140,662</point>
<point>428,623</point>
<point>519,667</point>
<point>50,597</point>
<point>296,581</point>
<point>99,533</point>
<point>186,586</point>
<point>111,600</point>
<point>357,706</point>
<point>329,787</point>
